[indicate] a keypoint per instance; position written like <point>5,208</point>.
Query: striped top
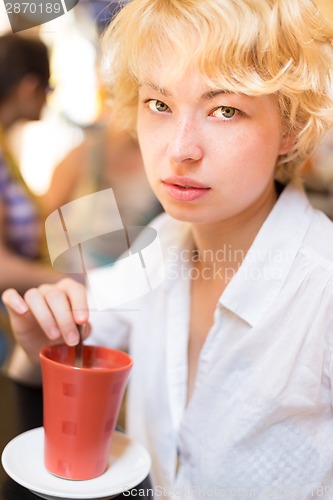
<point>22,225</point>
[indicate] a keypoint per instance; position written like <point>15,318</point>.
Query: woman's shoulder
<point>318,241</point>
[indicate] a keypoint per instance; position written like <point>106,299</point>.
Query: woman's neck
<point>227,242</point>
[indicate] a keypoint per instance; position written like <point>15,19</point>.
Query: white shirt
<point>260,421</point>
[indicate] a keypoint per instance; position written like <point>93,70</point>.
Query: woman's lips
<point>184,189</point>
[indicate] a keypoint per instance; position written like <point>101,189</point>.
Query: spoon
<point>79,348</point>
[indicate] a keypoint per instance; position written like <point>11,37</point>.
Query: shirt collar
<point>265,267</point>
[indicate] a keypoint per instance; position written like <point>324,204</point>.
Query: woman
<point>231,385</point>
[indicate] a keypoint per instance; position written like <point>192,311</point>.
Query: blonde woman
<point>231,386</point>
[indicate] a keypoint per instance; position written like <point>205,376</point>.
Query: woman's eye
<point>156,105</point>
<point>225,112</point>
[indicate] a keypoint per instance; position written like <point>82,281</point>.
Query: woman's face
<point>209,155</point>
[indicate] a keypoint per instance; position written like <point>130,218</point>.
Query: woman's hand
<point>47,314</point>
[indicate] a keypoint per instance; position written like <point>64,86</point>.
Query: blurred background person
<point>24,84</point>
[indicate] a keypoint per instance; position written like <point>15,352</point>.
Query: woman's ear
<point>288,140</point>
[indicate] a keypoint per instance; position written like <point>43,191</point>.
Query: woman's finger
<point>51,307</point>
<point>13,300</point>
<point>25,326</point>
<point>41,311</point>
<point>77,296</point>
<point>55,310</point>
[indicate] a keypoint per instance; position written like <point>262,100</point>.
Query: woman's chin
<point>191,214</point>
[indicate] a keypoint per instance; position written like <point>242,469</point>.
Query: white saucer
<point>22,459</point>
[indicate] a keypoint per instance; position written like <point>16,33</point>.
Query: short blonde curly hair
<point>253,47</point>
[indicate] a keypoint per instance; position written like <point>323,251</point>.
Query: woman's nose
<point>185,145</point>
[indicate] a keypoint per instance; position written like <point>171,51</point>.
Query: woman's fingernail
<point>54,333</point>
<point>20,307</point>
<point>81,316</point>
<point>72,338</point>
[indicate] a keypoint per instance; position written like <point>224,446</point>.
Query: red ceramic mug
<point>81,407</point>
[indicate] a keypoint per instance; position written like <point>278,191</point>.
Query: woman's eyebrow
<point>158,89</point>
<point>207,95</point>
<point>213,93</point>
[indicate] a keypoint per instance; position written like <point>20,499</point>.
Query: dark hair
<point>21,56</point>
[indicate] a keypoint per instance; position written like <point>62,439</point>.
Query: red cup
<point>81,407</point>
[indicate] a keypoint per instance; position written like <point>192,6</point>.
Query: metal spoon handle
<point>79,348</point>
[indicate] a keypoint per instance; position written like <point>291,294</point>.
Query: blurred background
<point>76,102</point>
<point>318,171</point>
